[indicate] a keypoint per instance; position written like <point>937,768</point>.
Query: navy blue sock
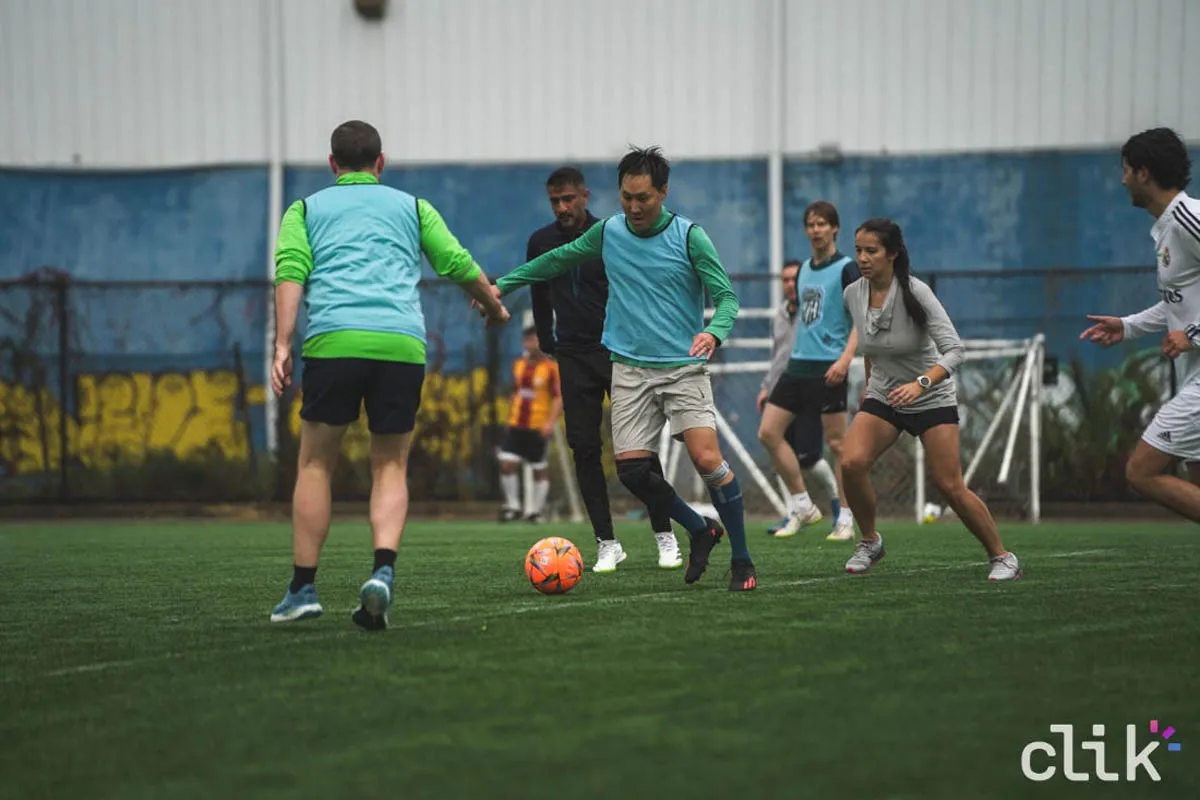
<point>728,501</point>
<point>686,516</point>
<point>301,577</point>
<point>837,509</point>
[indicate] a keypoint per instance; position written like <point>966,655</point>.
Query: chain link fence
<point>152,391</point>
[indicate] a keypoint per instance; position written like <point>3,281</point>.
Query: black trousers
<point>586,377</point>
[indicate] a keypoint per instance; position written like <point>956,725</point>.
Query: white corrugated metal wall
<point>151,83</point>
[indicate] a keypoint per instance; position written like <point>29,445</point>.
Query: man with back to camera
<point>352,252</point>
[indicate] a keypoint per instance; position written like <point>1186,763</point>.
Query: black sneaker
<point>534,519</point>
<point>743,577</point>
<point>509,515</point>
<point>702,545</point>
<point>369,622</point>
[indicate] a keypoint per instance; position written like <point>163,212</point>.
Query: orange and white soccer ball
<point>554,565</point>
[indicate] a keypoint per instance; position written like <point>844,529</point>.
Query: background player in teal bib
<point>352,252</point>
<point>811,393</point>
<point>659,265</point>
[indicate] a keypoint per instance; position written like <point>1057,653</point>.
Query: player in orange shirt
<point>536,405</point>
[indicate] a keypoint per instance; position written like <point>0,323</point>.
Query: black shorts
<point>914,423</point>
<point>805,396</point>
<point>334,390</point>
<point>525,444</point>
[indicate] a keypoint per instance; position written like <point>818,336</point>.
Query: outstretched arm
<point>555,262</point>
<point>451,260</point>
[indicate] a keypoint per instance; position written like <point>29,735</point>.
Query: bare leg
<point>1146,472</point>
<point>389,488</point>
<point>945,464</point>
<point>835,437</point>
<point>320,445</point>
<point>869,437</point>
<point>771,430</point>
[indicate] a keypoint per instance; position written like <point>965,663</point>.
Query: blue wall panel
<point>182,225</point>
<point>1003,211</point>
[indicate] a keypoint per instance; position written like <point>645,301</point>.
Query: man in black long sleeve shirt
<point>568,313</point>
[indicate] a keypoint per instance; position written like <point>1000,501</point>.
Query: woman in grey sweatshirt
<point>911,350</point>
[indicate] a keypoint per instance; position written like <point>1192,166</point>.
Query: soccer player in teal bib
<point>352,252</point>
<point>811,392</point>
<point>659,265</point>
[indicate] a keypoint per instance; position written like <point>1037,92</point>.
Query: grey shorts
<point>644,400</point>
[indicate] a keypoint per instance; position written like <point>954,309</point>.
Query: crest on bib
<point>812,298</point>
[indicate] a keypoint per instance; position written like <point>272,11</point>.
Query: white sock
<point>511,484</point>
<point>541,490</point>
<point>801,503</point>
<point>845,518</point>
<point>823,474</point>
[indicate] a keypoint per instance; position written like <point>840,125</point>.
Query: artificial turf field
<point>137,661</point>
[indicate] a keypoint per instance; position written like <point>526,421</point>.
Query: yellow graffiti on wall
<point>124,417</point>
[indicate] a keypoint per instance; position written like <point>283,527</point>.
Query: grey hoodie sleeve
<point>940,329</point>
<point>783,335</point>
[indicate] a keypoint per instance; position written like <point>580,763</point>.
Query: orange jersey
<point>537,387</point>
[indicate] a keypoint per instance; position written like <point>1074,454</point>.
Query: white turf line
<point>674,595</point>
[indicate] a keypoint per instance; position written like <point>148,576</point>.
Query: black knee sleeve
<point>647,484</point>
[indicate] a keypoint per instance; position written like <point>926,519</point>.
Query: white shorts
<point>1175,429</point>
<point>644,400</point>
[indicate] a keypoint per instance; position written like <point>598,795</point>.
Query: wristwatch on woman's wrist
<point>924,382</point>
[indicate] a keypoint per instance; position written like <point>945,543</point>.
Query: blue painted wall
<point>1010,212</point>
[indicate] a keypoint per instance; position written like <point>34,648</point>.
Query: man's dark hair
<point>1161,151</point>
<point>530,331</point>
<point>792,262</point>
<point>355,145</point>
<point>565,176</point>
<point>645,161</point>
<point>823,209</point>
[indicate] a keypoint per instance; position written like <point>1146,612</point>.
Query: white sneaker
<point>609,554</point>
<point>668,551</point>
<point>1005,568</point>
<point>866,555</point>
<point>843,531</point>
<point>797,521</point>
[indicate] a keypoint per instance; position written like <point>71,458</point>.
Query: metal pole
<point>1035,433</point>
<point>1026,373</point>
<point>777,106</point>
<point>919,467</point>
<point>64,389</point>
<point>274,92</point>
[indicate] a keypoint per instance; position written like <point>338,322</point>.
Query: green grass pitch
<point>136,661</point>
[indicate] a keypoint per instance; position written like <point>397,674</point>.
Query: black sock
<point>302,576</point>
<point>385,558</point>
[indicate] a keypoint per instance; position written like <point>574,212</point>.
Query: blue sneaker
<point>376,597</point>
<point>298,605</point>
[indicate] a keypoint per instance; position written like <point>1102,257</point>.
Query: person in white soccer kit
<point>1155,171</point>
